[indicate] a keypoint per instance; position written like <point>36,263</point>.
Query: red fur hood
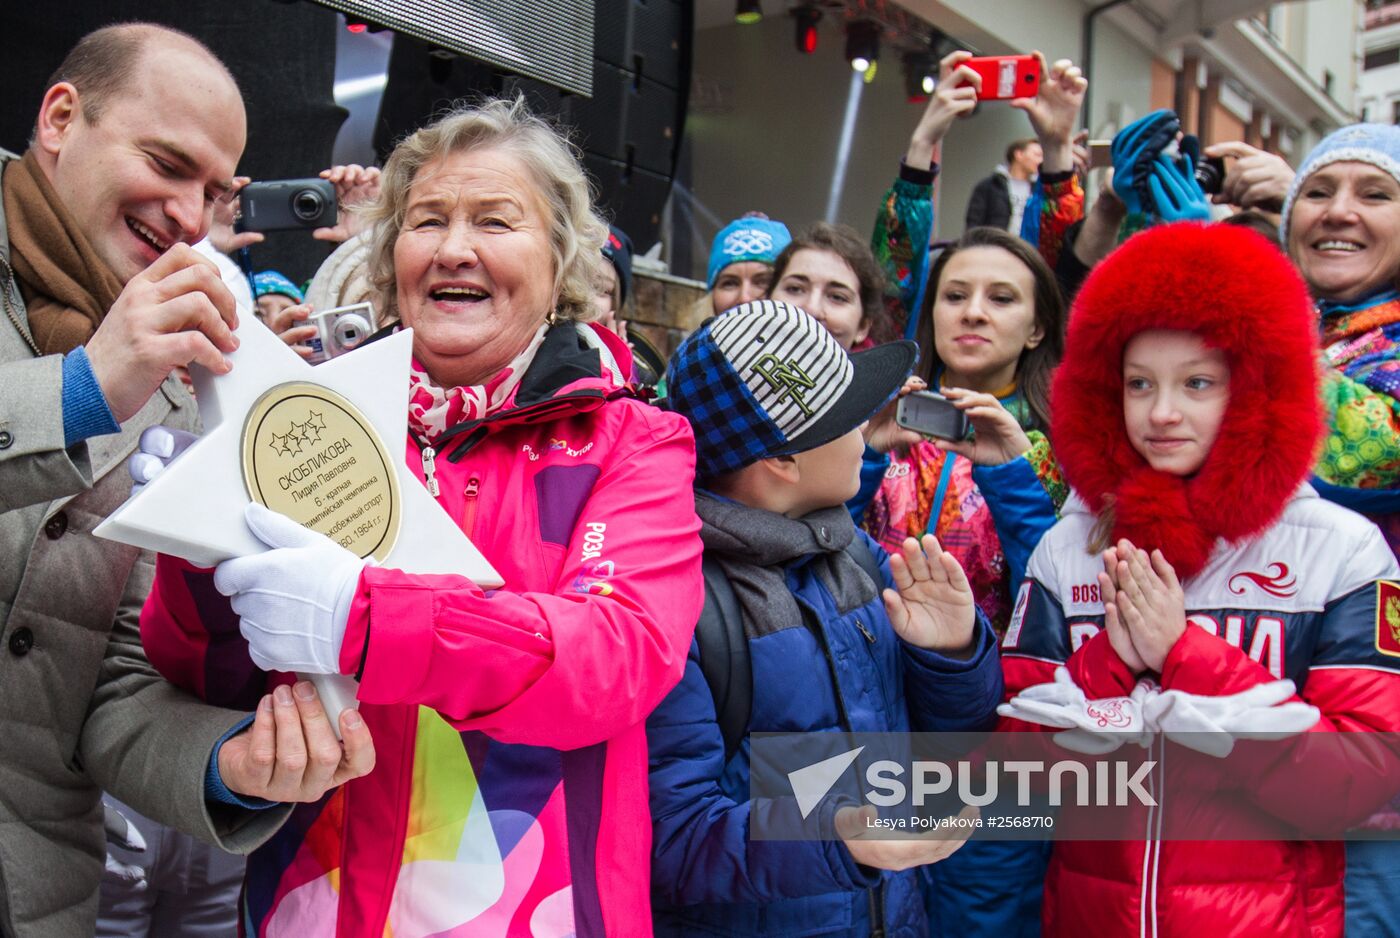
<point>1241,295</point>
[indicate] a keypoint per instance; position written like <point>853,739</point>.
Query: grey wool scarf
<point>754,547</point>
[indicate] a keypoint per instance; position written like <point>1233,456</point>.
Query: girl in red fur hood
<point>1193,563</point>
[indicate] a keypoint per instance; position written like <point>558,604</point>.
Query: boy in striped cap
<point>834,636</point>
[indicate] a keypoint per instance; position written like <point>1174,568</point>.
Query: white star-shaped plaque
<point>194,509</point>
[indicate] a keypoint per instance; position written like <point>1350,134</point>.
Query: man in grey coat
<point>137,137</point>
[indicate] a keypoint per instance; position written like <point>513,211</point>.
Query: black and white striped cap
<point>809,388</point>
<point>794,368</point>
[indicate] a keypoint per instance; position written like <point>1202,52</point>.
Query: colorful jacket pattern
<point>509,794</point>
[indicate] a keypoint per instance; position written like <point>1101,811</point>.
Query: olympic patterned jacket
<point>1307,600</point>
<point>509,795</point>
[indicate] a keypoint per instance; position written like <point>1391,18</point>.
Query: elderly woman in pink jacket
<point>510,794</point>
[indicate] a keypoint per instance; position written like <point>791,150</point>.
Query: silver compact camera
<point>340,330</point>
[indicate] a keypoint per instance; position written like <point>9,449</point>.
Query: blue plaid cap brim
<point>731,428</point>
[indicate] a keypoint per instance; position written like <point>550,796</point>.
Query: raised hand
<point>955,96</point>
<point>1254,178</point>
<point>997,437</point>
<point>932,605</point>
<point>1135,148</point>
<point>877,848</point>
<point>221,231</point>
<point>354,185</point>
<point>175,312</point>
<point>290,752</point>
<point>1175,190</point>
<point>1054,112</point>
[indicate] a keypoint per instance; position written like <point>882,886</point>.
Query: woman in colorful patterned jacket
<point>993,330</point>
<point>1341,226</point>
<point>510,794</point>
<point>990,328</point>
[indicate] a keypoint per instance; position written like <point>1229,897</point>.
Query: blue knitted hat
<point>755,237</point>
<point>1377,144</point>
<point>270,281</point>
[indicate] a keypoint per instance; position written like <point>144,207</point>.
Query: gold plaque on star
<point>311,455</point>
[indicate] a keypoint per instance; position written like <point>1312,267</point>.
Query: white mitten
<point>1092,726</point>
<point>157,449</point>
<point>1212,724</point>
<point>294,599</point>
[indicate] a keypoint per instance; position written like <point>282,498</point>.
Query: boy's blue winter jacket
<point>708,876</point>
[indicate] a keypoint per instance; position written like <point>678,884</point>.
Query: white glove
<point>121,832</point>
<point>158,448</point>
<point>293,600</point>
<point>1206,724</point>
<point>1095,727</point>
<point>1212,724</point>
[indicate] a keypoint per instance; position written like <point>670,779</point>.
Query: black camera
<point>1210,174</point>
<point>287,204</point>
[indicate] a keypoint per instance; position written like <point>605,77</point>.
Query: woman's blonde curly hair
<point>576,232</point>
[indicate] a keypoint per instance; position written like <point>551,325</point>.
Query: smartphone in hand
<point>931,414</point>
<point>1006,76</point>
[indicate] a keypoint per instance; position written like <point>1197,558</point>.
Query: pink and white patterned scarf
<point>432,409</point>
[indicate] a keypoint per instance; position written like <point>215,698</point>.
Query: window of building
<point>1380,58</point>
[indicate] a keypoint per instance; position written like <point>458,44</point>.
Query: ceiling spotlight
<point>862,44</point>
<point>806,17</point>
<point>748,11</point>
<point>920,75</point>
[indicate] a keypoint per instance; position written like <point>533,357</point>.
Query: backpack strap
<point>724,656</point>
<point>724,646</point>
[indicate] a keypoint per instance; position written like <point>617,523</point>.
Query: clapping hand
<point>932,605</point>
<point>1135,150</point>
<point>1144,606</point>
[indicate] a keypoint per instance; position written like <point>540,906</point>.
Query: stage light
<point>806,18</point>
<point>862,45</point>
<point>355,25</point>
<point>748,11</point>
<point>920,75</point>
